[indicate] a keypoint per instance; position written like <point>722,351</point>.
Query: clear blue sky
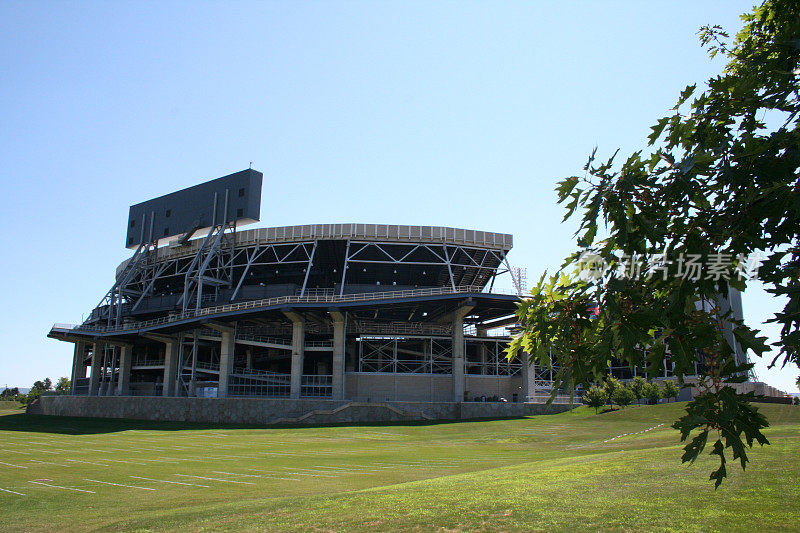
<point>461,114</point>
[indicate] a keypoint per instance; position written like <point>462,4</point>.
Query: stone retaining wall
<point>263,411</point>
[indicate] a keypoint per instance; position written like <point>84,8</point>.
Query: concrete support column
<point>249,363</point>
<point>170,367</point>
<point>298,352</point>
<point>459,380</point>
<point>528,372</point>
<point>226,355</point>
<point>337,366</point>
<point>170,361</point>
<point>110,385</point>
<point>124,379</point>
<point>78,368</point>
<point>97,363</point>
<point>482,349</point>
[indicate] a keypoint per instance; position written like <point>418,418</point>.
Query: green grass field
<point>557,472</point>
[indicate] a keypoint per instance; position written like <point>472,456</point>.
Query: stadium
<point>346,312</point>
<point>328,313</point>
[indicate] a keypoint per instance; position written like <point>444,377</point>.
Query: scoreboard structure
<point>192,212</point>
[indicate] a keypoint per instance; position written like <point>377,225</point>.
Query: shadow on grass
<point>67,425</point>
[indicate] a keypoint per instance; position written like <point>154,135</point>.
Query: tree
<point>652,392</point>
<point>624,396</point>
<point>611,386</point>
<point>671,390</point>
<point>717,182</point>
<point>63,386</point>
<point>637,386</point>
<point>42,386</point>
<point>9,394</point>
<point>595,397</point>
<point>37,389</point>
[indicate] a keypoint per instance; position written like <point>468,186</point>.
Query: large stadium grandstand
<point>362,312</point>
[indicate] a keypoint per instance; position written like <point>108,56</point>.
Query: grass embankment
<point>558,472</point>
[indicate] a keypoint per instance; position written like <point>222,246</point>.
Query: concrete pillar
<point>226,355</point>
<point>337,367</point>
<point>170,367</point>
<point>459,381</point>
<point>298,351</point>
<point>124,379</point>
<point>482,349</point>
<point>528,372</point>
<point>110,385</point>
<point>249,363</point>
<point>78,368</point>
<point>97,362</point>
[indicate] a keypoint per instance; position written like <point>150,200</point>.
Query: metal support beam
<point>344,267</point>
<point>308,269</point>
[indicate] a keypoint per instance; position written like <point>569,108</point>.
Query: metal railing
<point>148,362</point>
<point>316,386</point>
<point>278,300</point>
<point>254,383</point>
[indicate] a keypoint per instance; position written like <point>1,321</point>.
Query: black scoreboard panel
<point>193,209</point>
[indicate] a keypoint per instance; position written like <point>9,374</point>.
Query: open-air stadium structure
<point>347,312</point>
<point>335,313</point>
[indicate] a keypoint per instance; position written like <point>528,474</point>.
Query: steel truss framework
<point>432,355</point>
<point>465,265</point>
<point>220,270</point>
<point>214,264</point>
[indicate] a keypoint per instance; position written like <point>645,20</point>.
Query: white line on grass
<point>636,433</point>
<point>85,462</point>
<point>60,487</point>
<point>49,463</point>
<point>343,468</point>
<point>175,482</point>
<point>270,476</point>
<point>14,451</point>
<point>15,466</point>
<point>121,461</point>
<point>118,484</point>
<point>216,479</point>
<point>296,473</point>
<point>324,471</point>
<point>12,492</point>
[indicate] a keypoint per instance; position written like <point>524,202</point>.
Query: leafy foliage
<point>637,387</point>
<point>595,397</point>
<point>730,415</point>
<point>652,392</point>
<point>611,386</point>
<point>63,386</point>
<point>718,178</point>
<point>623,396</point>
<point>670,389</point>
<point>9,394</point>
